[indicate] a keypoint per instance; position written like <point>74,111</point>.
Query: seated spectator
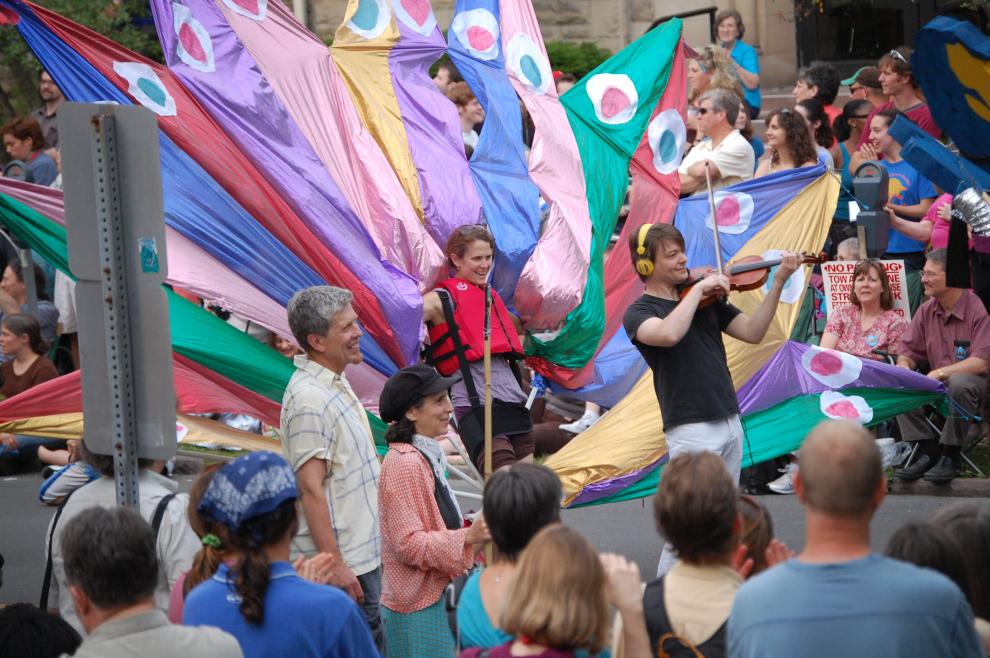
<point>819,81</point>
<point>446,75</point>
<point>517,503</point>
<point>848,249</point>
<point>745,61</point>
<point>26,632</point>
<point>24,141</point>
<point>868,322</point>
<point>848,127</point>
<point>968,526</point>
<point>63,480</point>
<point>745,127</point>
<point>158,501</point>
<point>712,69</point>
<point>20,339</point>
<point>821,130</point>
<point>864,85</point>
<point>111,569</point>
<point>837,598</point>
<point>696,511</point>
<point>284,346</point>
<point>726,153</point>
<point>13,299</point>
<point>469,110</point>
<point>899,85</point>
<point>790,143</point>
<point>554,607</point>
<point>951,333</point>
<point>259,598</point>
<point>911,195</point>
<point>424,542</point>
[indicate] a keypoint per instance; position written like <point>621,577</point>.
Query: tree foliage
<point>577,59</point>
<point>128,22</point>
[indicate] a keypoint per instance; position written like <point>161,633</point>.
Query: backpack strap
<point>156,520</point>
<point>455,336</point>
<point>46,584</point>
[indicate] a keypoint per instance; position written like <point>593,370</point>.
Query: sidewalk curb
<point>958,488</point>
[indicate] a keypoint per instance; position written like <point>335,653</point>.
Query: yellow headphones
<point>644,266</point>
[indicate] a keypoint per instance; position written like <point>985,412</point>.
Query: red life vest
<point>469,318</point>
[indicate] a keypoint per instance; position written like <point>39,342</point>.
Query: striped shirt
<point>322,418</point>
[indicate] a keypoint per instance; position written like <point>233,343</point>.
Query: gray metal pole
<point>109,221</point>
<point>27,273</point>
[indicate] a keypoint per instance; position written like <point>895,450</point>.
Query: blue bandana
<point>249,487</point>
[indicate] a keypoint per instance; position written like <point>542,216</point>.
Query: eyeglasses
<point>702,111</point>
<point>896,54</point>
<point>468,229</point>
<point>928,274</point>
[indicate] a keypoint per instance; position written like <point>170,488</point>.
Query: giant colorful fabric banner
<point>384,312</point>
<point>608,111</point>
<point>590,467</point>
<point>552,281</point>
<point>498,166</point>
<point>304,77</point>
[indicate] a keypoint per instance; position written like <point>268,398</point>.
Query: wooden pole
<point>711,204</point>
<point>489,557</point>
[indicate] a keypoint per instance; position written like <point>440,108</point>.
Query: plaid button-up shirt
<point>322,418</point>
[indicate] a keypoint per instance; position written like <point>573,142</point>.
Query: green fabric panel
<point>780,429</point>
<point>605,154</point>
<point>196,333</point>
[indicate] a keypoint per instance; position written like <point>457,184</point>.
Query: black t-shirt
<point>691,378</point>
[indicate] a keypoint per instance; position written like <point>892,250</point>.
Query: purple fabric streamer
<point>449,196</point>
<point>606,488</point>
<point>785,376</point>
<point>205,53</point>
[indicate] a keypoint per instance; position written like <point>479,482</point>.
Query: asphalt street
<point>626,528</point>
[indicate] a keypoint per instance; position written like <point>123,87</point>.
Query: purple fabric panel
<point>784,376</point>
<point>606,488</point>
<point>433,131</point>
<point>242,102</point>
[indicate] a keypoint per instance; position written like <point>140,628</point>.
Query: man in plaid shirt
<point>327,440</point>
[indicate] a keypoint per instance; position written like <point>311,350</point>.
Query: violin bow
<point>711,204</point>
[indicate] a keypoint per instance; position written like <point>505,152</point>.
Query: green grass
<point>981,457</point>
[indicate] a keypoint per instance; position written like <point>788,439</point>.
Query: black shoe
<point>916,470</point>
<point>943,472</point>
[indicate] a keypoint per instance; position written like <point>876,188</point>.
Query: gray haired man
<point>327,439</point>
<point>729,157</point>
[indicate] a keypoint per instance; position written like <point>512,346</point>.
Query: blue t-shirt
<point>907,188</point>
<point>845,192</point>
<point>43,169</point>
<point>745,56</point>
<point>302,619</point>
<point>874,606</point>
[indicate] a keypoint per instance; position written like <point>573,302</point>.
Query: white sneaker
<point>581,424</point>
<point>785,483</point>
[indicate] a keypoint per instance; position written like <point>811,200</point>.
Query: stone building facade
<point>614,23</point>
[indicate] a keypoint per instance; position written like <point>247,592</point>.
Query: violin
<point>747,273</point>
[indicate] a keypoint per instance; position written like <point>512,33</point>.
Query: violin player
<point>681,340</point>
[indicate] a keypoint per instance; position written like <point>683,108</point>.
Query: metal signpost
<point>116,236</point>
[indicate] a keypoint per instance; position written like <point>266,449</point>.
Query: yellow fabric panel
<point>974,74</point>
<point>363,64</point>
<point>629,437</point>
<point>60,426</point>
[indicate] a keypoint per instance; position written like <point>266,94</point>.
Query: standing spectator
<point>20,338</point>
<point>864,85</point>
<point>518,502</point>
<point>24,141</point>
<point>847,127</point>
<point>951,333</point>
<point>968,526</point>
<point>727,153</point>
<point>175,542</point>
<point>446,75</point>
<point>470,111</point>
<point>563,82</point>
<point>790,143</point>
<point>837,598</point>
<point>712,69</point>
<point>911,195</point>
<point>13,299</point>
<point>46,115</point>
<point>820,82</point>
<point>940,217</point>
<point>901,88</point>
<point>257,597</point>
<point>821,129</point>
<point>745,62</point>
<point>111,569</point>
<point>327,440</point>
<point>424,543</point>
<point>27,632</point>
<point>555,606</point>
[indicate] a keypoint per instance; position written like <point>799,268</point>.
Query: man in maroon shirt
<point>951,332</point>
<point>897,81</point>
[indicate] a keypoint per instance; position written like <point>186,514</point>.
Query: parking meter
<point>870,185</point>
